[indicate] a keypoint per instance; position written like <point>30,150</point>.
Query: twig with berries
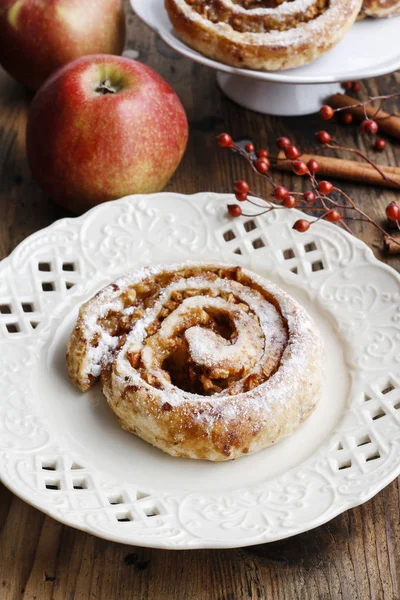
<point>371,117</point>
<point>318,200</point>
<point>327,111</point>
<point>325,139</point>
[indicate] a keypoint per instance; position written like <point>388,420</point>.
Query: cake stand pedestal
<point>370,48</point>
<point>273,98</point>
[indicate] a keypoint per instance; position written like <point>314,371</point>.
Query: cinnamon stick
<point>390,246</point>
<point>388,124</point>
<point>351,170</point>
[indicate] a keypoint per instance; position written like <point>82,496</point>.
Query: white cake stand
<point>371,48</point>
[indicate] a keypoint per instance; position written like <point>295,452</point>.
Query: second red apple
<point>38,36</point>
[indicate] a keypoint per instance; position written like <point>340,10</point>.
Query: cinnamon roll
<point>203,361</point>
<point>262,34</point>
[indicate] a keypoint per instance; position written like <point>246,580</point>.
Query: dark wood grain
<point>354,557</point>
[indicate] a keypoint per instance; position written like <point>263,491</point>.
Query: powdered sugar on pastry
<point>288,35</point>
<point>202,360</point>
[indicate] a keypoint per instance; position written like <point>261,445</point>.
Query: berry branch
<point>318,199</point>
<point>369,124</point>
<point>327,112</point>
<point>333,145</point>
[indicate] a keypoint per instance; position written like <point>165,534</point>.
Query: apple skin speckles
<point>103,127</point>
<point>39,36</point>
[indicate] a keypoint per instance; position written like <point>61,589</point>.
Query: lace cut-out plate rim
<point>359,456</point>
<point>331,67</point>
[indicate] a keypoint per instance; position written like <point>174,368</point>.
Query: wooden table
<point>355,556</point>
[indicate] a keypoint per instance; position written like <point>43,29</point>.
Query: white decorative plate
<point>65,453</point>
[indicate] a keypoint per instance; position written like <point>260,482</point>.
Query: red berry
<point>313,165</point>
<point>347,118</point>
<point>234,210</point>
<point>299,167</point>
<point>369,126</point>
<point>280,192</point>
<point>323,137</point>
<point>240,197</point>
<point>301,225</point>
<point>292,152</point>
<point>283,142</point>
<point>373,127</point>
<point>356,86</point>
<point>289,202</point>
<point>262,165</point>
<point>242,187</point>
<point>325,187</point>
<point>393,211</point>
<point>326,112</point>
<point>333,215</point>
<point>262,153</point>
<point>380,144</point>
<point>249,148</point>
<point>309,197</point>
<point>347,85</point>
<point>225,140</point>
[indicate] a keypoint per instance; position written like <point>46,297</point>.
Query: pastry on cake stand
<point>369,49</point>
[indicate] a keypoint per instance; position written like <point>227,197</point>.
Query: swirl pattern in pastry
<point>201,360</point>
<point>262,34</point>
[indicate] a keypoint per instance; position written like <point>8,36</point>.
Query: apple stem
<point>105,87</point>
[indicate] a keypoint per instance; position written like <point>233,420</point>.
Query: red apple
<point>38,36</point>
<point>103,127</point>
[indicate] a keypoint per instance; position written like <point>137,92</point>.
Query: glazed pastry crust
<point>290,35</point>
<point>203,361</point>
